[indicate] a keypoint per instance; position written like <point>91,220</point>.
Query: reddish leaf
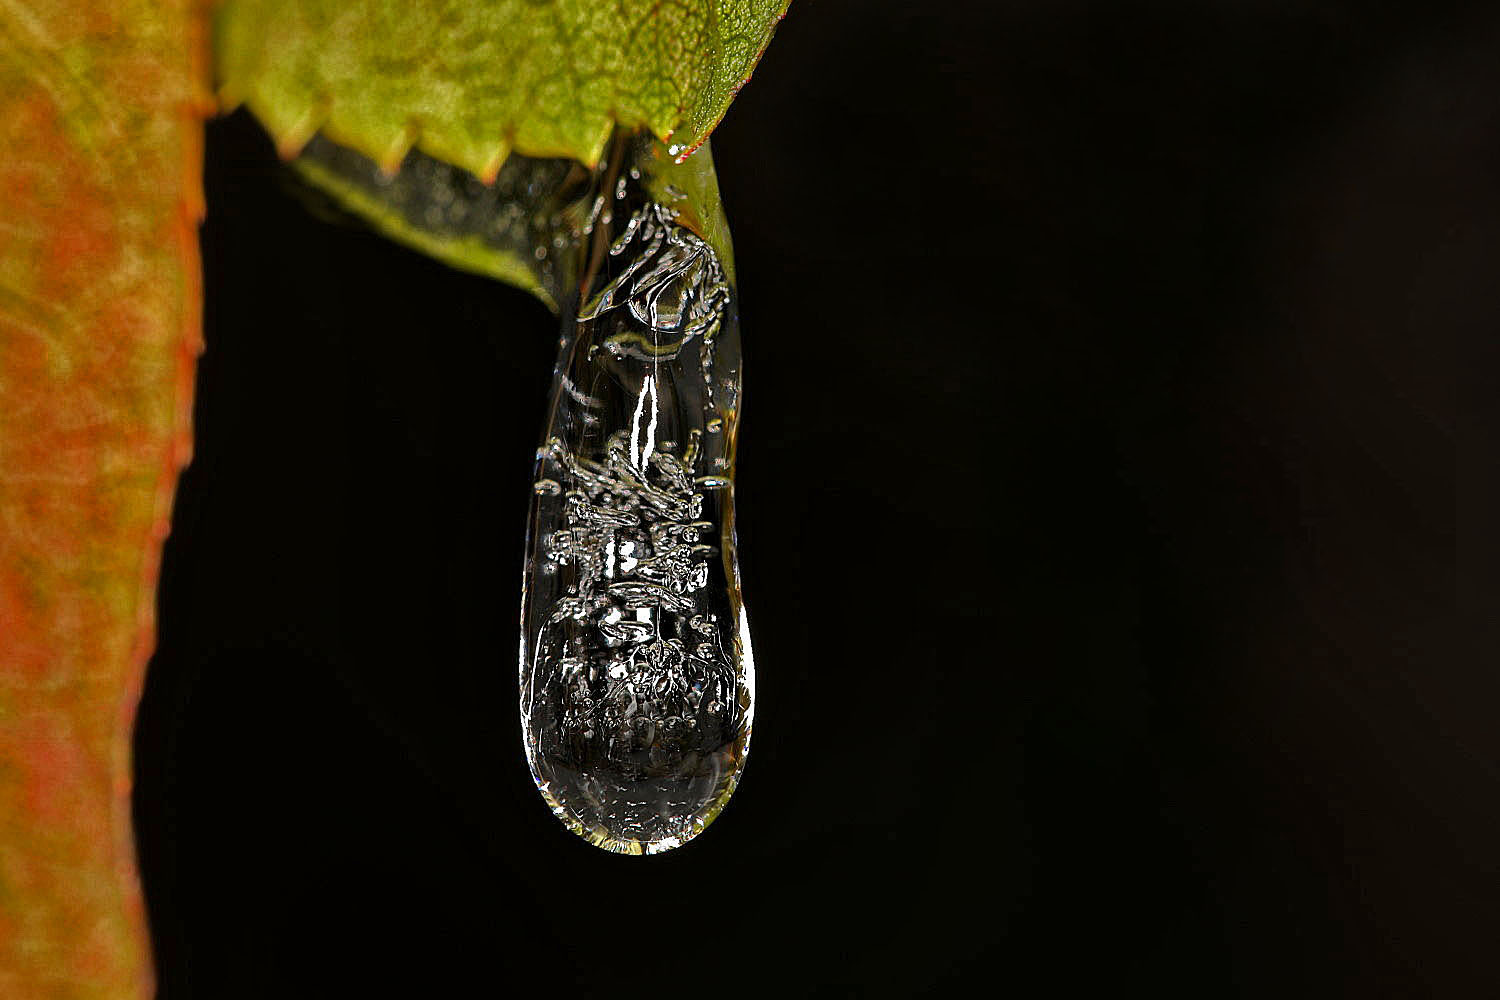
<point>100,106</point>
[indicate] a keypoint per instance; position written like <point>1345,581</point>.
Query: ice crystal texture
<point>636,669</point>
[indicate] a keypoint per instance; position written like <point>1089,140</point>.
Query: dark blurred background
<point>1097,510</point>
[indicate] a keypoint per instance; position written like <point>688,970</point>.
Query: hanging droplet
<point>636,669</point>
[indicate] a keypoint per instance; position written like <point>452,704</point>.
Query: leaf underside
<point>522,227</point>
<point>101,106</point>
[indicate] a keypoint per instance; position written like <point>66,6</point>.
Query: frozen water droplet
<point>636,670</point>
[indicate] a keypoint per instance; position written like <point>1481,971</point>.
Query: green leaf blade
<point>470,81</point>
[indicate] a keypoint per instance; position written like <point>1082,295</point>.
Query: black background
<point>1097,515</point>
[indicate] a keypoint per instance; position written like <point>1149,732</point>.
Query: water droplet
<point>634,637</point>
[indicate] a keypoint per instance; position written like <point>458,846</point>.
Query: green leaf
<point>471,81</point>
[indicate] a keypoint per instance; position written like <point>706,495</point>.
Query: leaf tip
<point>296,135</point>
<point>396,150</point>
<point>492,164</point>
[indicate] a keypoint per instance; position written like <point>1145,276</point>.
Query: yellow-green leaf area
<point>470,81</point>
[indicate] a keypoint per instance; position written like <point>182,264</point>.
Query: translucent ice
<point>636,669</point>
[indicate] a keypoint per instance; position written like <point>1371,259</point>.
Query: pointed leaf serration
<point>470,81</point>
